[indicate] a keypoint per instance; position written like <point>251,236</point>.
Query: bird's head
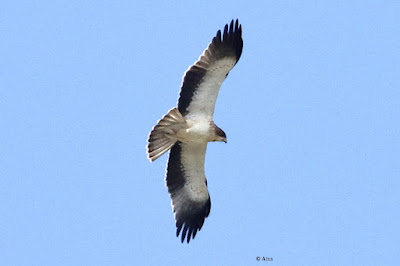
<point>220,135</point>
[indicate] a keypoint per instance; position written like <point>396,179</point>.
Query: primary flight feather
<point>186,130</point>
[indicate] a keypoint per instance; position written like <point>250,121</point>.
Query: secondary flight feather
<point>186,130</point>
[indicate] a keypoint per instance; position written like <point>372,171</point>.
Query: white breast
<point>196,131</point>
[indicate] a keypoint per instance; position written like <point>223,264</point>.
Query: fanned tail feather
<point>163,135</point>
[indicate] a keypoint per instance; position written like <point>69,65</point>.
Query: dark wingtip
<point>218,37</point>
<point>178,228</point>
<point>225,31</point>
<point>185,228</point>
<point>189,226</point>
<point>232,37</point>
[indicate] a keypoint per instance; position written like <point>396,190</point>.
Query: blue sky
<point>310,174</point>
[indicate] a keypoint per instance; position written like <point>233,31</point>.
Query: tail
<point>163,135</point>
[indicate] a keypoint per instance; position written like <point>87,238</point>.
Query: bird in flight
<point>186,130</point>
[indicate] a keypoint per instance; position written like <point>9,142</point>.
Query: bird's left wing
<point>187,185</point>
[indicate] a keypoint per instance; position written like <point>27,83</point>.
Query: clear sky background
<point>311,171</point>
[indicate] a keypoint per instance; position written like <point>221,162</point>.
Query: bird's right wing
<point>202,81</point>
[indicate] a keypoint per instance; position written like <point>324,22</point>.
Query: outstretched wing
<point>202,81</point>
<point>187,186</point>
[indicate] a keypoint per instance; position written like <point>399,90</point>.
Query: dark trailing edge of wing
<point>175,177</point>
<point>189,215</point>
<point>228,44</point>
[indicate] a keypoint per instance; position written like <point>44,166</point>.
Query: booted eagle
<point>186,129</point>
